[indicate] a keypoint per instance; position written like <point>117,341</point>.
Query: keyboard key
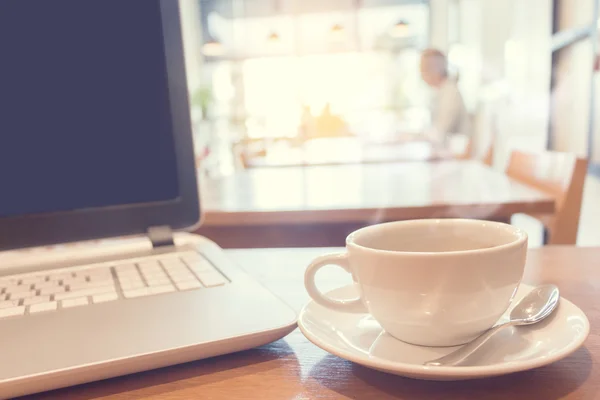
<point>33,279</point>
<point>180,275</point>
<point>173,263</point>
<point>162,289</point>
<point>149,265</point>
<point>133,269</point>
<point>43,307</point>
<point>101,282</point>
<point>52,290</point>
<point>130,285</point>
<point>100,290</point>
<point>200,266</point>
<point>76,275</point>
<point>188,285</point>
<point>104,297</point>
<point>166,258</point>
<point>23,295</point>
<point>98,276</point>
<point>157,274</point>
<point>14,288</point>
<point>76,302</point>
<point>130,279</point>
<point>137,292</point>
<point>67,295</point>
<point>153,271</point>
<point>90,285</point>
<point>35,300</point>
<point>60,277</point>
<point>75,280</point>
<point>211,279</point>
<point>191,257</point>
<point>9,303</point>
<point>78,286</point>
<point>183,277</point>
<point>96,279</point>
<point>99,273</point>
<point>161,275</point>
<point>158,281</point>
<point>152,275</point>
<point>45,284</point>
<point>84,292</point>
<point>125,268</point>
<point>12,312</point>
<point>179,266</point>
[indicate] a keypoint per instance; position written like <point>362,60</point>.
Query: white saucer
<point>359,338</point>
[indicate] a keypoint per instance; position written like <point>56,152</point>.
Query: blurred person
<point>449,114</point>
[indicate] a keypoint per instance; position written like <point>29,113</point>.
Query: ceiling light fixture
<point>337,32</point>
<point>273,37</point>
<point>212,48</point>
<point>400,29</point>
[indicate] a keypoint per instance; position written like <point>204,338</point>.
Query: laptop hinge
<point>160,236</point>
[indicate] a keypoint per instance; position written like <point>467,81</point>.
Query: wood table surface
<point>335,151</point>
<point>294,368</point>
<point>320,205</point>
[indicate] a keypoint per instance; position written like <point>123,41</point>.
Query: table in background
<point>319,205</point>
<point>333,151</point>
<point>294,368</point>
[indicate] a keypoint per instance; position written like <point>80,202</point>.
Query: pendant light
<point>212,48</point>
<point>337,32</point>
<point>399,29</point>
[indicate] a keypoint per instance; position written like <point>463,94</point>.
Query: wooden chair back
<point>561,175</point>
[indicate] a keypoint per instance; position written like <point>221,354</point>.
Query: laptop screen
<point>84,106</point>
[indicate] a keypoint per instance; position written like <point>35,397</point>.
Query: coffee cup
<point>432,282</point>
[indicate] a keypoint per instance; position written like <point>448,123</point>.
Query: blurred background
<point>288,83</point>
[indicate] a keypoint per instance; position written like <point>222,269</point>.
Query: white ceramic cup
<point>433,282</point>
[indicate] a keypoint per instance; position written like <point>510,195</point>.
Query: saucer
<point>360,339</point>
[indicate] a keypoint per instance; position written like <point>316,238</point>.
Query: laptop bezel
<point>182,213</point>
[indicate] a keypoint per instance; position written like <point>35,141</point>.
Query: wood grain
<point>318,206</point>
<point>293,368</point>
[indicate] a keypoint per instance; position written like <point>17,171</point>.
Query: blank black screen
<point>84,106</point>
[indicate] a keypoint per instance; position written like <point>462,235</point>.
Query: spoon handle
<point>460,354</point>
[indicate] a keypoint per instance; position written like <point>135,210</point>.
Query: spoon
<point>537,305</point>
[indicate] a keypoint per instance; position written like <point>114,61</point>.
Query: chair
<point>561,175</point>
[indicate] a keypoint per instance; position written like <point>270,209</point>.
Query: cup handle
<point>341,260</point>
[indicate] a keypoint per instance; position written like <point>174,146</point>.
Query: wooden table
<point>293,368</point>
<point>335,151</point>
<point>320,205</point>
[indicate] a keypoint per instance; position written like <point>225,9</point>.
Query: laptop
<point>96,145</point>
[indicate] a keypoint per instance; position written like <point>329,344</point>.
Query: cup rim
<point>520,237</point>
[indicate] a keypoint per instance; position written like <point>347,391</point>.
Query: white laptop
<point>95,143</point>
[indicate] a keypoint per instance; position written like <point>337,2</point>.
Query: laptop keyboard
<point>53,290</point>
